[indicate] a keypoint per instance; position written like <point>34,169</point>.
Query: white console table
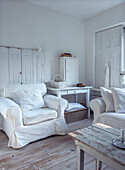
<point>72,90</point>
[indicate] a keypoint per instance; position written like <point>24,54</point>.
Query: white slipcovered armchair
<point>110,108</point>
<point>113,119</point>
<point>24,123</point>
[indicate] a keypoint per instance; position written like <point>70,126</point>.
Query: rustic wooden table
<point>97,141</point>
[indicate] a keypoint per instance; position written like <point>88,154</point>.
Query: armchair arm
<point>98,106</point>
<point>59,104</point>
<point>15,114</point>
<point>5,104</point>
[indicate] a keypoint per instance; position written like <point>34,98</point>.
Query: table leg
<point>76,98</point>
<point>58,95</point>
<point>80,158</point>
<point>87,101</point>
<point>98,164</point>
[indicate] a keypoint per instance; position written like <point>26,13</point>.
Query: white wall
<point>27,25</point>
<point>106,19</point>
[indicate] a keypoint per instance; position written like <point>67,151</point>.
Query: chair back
<point>10,91</point>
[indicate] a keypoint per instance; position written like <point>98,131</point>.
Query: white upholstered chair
<point>23,122</point>
<point>110,108</point>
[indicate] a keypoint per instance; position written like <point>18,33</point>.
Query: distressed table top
<point>99,138</point>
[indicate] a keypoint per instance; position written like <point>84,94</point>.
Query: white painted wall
<point>106,19</point>
<point>27,25</point>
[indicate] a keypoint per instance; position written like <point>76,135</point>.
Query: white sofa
<point>23,127</point>
<point>115,117</point>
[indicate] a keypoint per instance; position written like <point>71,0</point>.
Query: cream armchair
<point>23,127</point>
<point>113,119</point>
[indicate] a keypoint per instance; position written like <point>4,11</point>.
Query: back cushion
<point>30,99</point>
<point>11,90</point>
<point>108,99</point>
<point>119,99</point>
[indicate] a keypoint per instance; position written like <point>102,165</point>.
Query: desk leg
<point>87,101</point>
<point>98,164</point>
<point>58,95</point>
<point>76,98</point>
<point>80,158</point>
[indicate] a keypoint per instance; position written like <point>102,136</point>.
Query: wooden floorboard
<point>56,153</point>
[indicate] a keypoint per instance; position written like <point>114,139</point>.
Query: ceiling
<point>78,8</point>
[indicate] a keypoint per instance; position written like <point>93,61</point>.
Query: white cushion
<point>74,106</point>
<point>39,115</point>
<point>108,99</point>
<point>31,99</point>
<point>119,99</point>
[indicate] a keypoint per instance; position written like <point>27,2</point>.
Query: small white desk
<point>72,90</point>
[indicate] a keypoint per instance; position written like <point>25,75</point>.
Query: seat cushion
<point>113,119</point>
<point>39,115</point>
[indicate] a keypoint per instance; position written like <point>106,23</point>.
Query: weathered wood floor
<point>56,153</point>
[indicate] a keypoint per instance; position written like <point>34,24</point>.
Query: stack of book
<point>66,55</point>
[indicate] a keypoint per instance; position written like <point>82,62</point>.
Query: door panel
<point>4,77</point>
<point>72,70</point>
<point>14,65</point>
<point>27,66</point>
<point>37,66</point>
<point>108,50</point>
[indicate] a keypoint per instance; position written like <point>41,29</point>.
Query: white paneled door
<point>108,50</point>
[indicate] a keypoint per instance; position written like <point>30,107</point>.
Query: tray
<point>119,143</point>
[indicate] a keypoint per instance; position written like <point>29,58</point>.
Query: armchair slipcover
<point>44,122</point>
<point>113,119</point>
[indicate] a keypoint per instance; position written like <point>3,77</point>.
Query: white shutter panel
<point>27,66</point>
<point>4,67</point>
<point>37,66</point>
<point>14,65</point>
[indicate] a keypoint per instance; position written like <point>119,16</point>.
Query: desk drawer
<point>76,91</point>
